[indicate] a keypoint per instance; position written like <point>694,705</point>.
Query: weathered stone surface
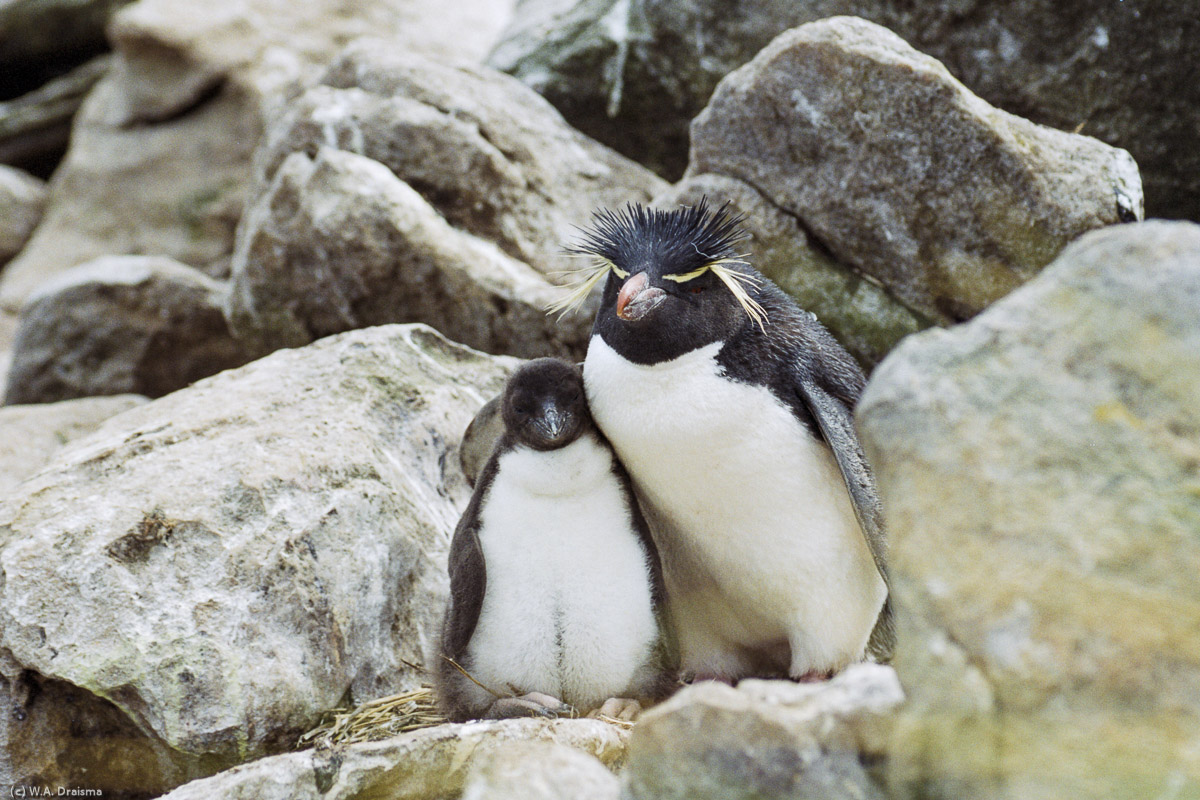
<point>338,242</point>
<point>491,156</point>
<point>765,739</point>
<point>32,434</point>
<point>1040,472</point>
<point>22,201</point>
<point>214,569</point>
<point>120,324</point>
<point>160,153</point>
<point>865,317</point>
<point>539,770</point>
<point>900,172</point>
<point>633,74</point>
<point>1085,66</point>
<point>430,763</point>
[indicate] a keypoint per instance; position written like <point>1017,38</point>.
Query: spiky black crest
<point>685,239</point>
<point>681,245</point>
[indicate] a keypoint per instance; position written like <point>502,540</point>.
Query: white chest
<point>567,609</point>
<point>754,525</point>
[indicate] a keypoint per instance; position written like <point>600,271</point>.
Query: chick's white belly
<point>758,537</point>
<point>567,609</point>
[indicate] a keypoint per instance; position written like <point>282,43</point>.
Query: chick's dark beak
<point>638,298</point>
<point>552,421</point>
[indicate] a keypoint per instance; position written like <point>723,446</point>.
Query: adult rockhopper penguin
<point>731,408</point>
<point>555,584</point>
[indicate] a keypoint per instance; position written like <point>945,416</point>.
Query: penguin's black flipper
<point>468,581</point>
<point>468,578</point>
<point>834,419</point>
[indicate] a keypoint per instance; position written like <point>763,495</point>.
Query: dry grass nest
<point>387,717</point>
<point>390,716</point>
<point>376,719</point>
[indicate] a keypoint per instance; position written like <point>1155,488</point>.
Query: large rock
<point>901,173</point>
<point>634,74</point>
<point>422,765</point>
<point>121,324</point>
<point>193,584</point>
<point>765,740</point>
<point>1040,473</point>
<point>160,153</point>
<point>491,156</point>
<point>540,770</point>
<point>33,434</point>
<point>22,201</point>
<point>338,242</point>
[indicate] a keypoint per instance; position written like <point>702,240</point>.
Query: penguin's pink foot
<point>619,708</point>
<point>534,704</point>
<point>712,676</point>
<point>815,676</point>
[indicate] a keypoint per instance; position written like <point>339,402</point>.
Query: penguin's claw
<point>618,708</point>
<point>534,704</point>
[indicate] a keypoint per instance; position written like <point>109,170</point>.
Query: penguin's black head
<point>675,280</point>
<point>543,404</point>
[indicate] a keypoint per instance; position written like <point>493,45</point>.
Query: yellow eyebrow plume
<point>735,281</point>
<point>581,287</point>
<point>687,276</point>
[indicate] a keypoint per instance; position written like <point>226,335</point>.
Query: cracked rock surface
<point>494,158</point>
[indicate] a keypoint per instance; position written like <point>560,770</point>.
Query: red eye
<point>697,289</point>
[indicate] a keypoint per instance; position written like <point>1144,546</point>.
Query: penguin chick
<point>732,410</point>
<point>555,584</point>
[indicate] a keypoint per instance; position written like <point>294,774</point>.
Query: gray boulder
<point>192,585</point>
<point>339,242</point>
<point>539,770</point>
<point>765,739</point>
<point>121,324</point>
<point>160,152</point>
<point>1040,473</point>
<point>633,74</point>
<point>22,201</point>
<point>900,173</point>
<point>494,158</point>
<point>428,764</point>
<point>33,434</point>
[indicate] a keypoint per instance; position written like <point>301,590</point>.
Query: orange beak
<point>637,298</point>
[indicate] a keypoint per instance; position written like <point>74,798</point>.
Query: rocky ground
<point>291,250</point>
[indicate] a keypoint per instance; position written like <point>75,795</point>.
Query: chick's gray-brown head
<point>674,279</point>
<point>544,406</point>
